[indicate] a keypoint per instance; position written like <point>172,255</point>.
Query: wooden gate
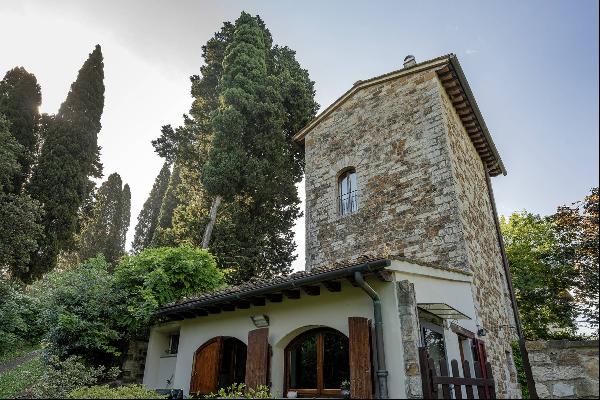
<point>452,386</point>
<point>206,367</point>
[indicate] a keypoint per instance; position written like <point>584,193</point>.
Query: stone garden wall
<point>133,367</point>
<point>564,369</point>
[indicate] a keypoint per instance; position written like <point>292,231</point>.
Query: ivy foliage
<point>157,276</point>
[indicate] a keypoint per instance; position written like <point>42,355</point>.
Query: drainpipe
<point>382,372</point>
<point>524,355</point>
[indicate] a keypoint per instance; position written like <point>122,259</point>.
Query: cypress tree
<point>68,158</point>
<point>105,230</point>
<point>163,235</point>
<point>148,218</point>
<point>20,99</point>
<point>250,99</point>
<point>19,214</point>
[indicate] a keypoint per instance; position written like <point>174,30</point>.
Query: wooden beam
<point>258,301</point>
<point>275,297</point>
<point>312,290</point>
<point>243,304</point>
<point>352,281</point>
<point>333,286</point>
<point>292,294</point>
<point>201,313</point>
<point>213,310</point>
<point>228,307</point>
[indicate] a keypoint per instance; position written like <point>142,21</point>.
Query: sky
<point>532,66</point>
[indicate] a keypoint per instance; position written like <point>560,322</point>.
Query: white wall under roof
<point>292,317</point>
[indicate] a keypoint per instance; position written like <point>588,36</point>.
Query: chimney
<point>409,61</point>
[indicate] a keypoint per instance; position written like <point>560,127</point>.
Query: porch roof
<point>256,292</point>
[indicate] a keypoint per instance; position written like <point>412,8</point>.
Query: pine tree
<point>148,218</point>
<point>20,99</point>
<point>68,158</point>
<point>250,99</point>
<point>105,229</point>
<point>163,234</point>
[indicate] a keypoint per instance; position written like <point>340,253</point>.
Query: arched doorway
<point>218,363</point>
<point>316,363</point>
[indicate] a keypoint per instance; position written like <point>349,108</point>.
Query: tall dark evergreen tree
<point>19,214</point>
<point>237,147</point>
<point>68,159</point>
<point>163,235</point>
<point>20,99</point>
<point>105,229</point>
<point>148,218</point>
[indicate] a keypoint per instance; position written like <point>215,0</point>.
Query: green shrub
<point>122,392</point>
<point>239,391</point>
<point>18,317</point>
<point>16,380</point>
<point>81,313</point>
<point>157,276</point>
<point>521,377</point>
<point>62,377</point>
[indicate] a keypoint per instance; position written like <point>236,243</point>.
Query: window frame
<point>343,175</point>
<point>320,390</point>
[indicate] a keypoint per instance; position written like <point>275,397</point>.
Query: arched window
<point>317,362</point>
<point>348,192</point>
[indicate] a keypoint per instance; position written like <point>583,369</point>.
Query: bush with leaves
<point>82,313</point>
<point>157,276</point>
<point>122,392</point>
<point>239,391</point>
<point>61,377</point>
<point>18,316</point>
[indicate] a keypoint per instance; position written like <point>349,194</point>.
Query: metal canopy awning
<point>442,310</point>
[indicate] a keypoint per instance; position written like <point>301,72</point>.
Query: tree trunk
<point>211,223</point>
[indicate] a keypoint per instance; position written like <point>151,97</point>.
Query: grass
<point>18,351</point>
<point>18,379</point>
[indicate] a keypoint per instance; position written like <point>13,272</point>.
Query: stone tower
<point>399,166</point>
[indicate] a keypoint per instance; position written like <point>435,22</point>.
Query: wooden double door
<point>223,361</point>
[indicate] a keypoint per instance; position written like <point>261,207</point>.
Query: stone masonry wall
<point>133,367</point>
<point>422,195</point>
<point>409,325</point>
<point>490,292</point>
<point>393,134</point>
<point>564,369</point>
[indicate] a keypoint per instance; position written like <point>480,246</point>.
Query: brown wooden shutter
<point>257,359</point>
<point>205,370</point>
<point>361,383</point>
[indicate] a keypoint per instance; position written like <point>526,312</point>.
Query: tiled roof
<point>257,287</point>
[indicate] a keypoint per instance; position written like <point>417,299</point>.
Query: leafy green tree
<point>105,229</point>
<point>18,316</point>
<point>157,276</point>
<point>148,218</point>
<point>69,158</point>
<point>20,215</point>
<point>542,276</point>
<point>20,99</point>
<point>82,313</point>
<point>239,162</point>
<point>163,235</point>
<point>577,229</point>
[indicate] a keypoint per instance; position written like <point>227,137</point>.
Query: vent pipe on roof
<point>409,61</point>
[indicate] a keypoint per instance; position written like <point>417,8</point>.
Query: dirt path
<point>15,362</point>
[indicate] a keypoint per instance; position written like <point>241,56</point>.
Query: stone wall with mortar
<point>409,326</point>
<point>418,197</point>
<point>135,361</point>
<point>483,254</point>
<point>565,369</point>
<point>393,134</point>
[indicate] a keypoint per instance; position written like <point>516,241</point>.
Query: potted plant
<point>345,387</point>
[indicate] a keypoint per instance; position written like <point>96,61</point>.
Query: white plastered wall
<point>287,320</point>
<point>292,317</point>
